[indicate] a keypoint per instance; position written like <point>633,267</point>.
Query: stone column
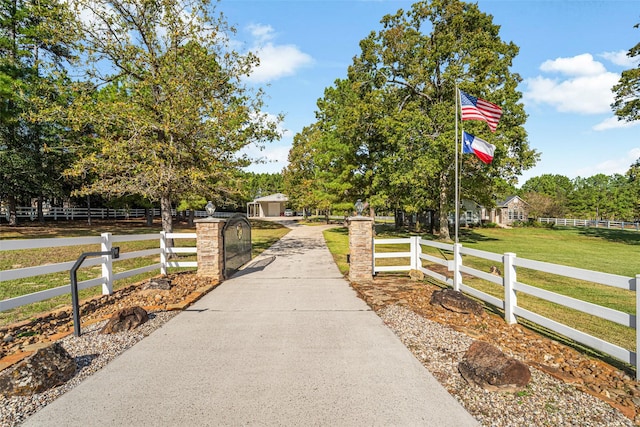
<point>210,248</point>
<point>360,249</point>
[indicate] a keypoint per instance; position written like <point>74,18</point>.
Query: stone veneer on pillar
<point>360,249</point>
<point>210,247</point>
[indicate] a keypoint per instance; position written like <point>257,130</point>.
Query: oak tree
<point>174,112</point>
<point>627,91</point>
<point>401,129</point>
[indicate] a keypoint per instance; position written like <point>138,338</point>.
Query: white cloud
<point>609,167</point>
<point>584,89</point>
<point>614,123</point>
<point>273,158</point>
<point>261,33</point>
<point>276,60</point>
<point>580,65</point>
<point>620,58</point>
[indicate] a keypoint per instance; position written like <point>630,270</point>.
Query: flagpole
<point>457,189</point>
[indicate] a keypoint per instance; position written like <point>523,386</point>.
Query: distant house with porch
<point>267,206</point>
<point>506,212</point>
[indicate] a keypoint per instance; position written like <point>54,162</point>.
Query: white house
<point>506,212</point>
<point>267,206</point>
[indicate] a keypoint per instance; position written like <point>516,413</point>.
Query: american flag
<point>478,109</point>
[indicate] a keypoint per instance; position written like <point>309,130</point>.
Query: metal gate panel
<point>236,239</point>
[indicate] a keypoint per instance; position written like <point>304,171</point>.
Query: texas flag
<point>477,146</point>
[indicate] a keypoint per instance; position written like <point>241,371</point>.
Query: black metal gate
<point>236,238</point>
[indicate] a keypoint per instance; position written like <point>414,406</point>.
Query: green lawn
<point>263,235</point>
<point>609,251</point>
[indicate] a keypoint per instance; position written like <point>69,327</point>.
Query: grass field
<point>263,235</point>
<point>609,251</point>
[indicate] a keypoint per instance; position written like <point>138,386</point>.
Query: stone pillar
<point>360,249</point>
<point>210,248</point>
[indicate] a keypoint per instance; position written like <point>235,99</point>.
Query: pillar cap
<point>210,220</point>
<point>359,218</point>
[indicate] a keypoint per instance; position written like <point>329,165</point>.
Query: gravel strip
<point>92,351</point>
<point>545,402</point>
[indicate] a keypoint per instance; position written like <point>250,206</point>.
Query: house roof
<point>508,200</point>
<point>276,197</point>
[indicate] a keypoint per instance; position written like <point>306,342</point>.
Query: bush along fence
<point>108,275</point>
<point>430,258</point>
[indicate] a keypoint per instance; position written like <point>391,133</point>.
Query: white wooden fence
<point>570,222</point>
<point>106,241</point>
<point>56,213</point>
<point>511,285</point>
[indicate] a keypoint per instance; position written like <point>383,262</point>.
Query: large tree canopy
<point>174,114</point>
<point>389,129</point>
<point>36,41</point>
<point>627,91</point>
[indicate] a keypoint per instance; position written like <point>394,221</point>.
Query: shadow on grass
<point>627,237</point>
<point>80,228</point>
<point>344,231</point>
<point>264,225</point>
<point>471,236</point>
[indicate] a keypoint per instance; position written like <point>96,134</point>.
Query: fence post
<point>637,325</point>
<point>163,253</point>
<point>415,253</point>
<point>457,263</point>
<point>509,280</point>
<point>107,264</point>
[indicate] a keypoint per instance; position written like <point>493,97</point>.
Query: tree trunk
<point>89,210</point>
<point>13,215</point>
<point>432,221</point>
<point>192,215</point>
<point>444,211</point>
<point>399,218</point>
<point>165,214</point>
<point>148,212</point>
<point>167,219</point>
<point>40,213</point>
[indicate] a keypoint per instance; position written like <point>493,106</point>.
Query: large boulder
<point>489,368</point>
<point>125,320</point>
<point>456,301</point>
<point>48,367</point>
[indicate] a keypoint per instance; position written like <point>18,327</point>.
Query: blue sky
<point>571,54</point>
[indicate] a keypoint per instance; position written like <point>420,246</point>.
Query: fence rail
<point>106,242</point>
<point>56,213</point>
<point>512,286</point>
<point>570,222</point>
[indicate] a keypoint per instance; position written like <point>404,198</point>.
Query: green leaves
<point>386,134</point>
<point>172,116</point>
<point>627,102</point>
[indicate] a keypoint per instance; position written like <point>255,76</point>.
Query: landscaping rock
<point>48,367</point>
<point>162,283</point>
<point>125,320</point>
<point>456,301</point>
<point>489,368</point>
<point>416,275</point>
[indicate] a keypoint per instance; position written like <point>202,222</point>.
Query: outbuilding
<point>267,206</point>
